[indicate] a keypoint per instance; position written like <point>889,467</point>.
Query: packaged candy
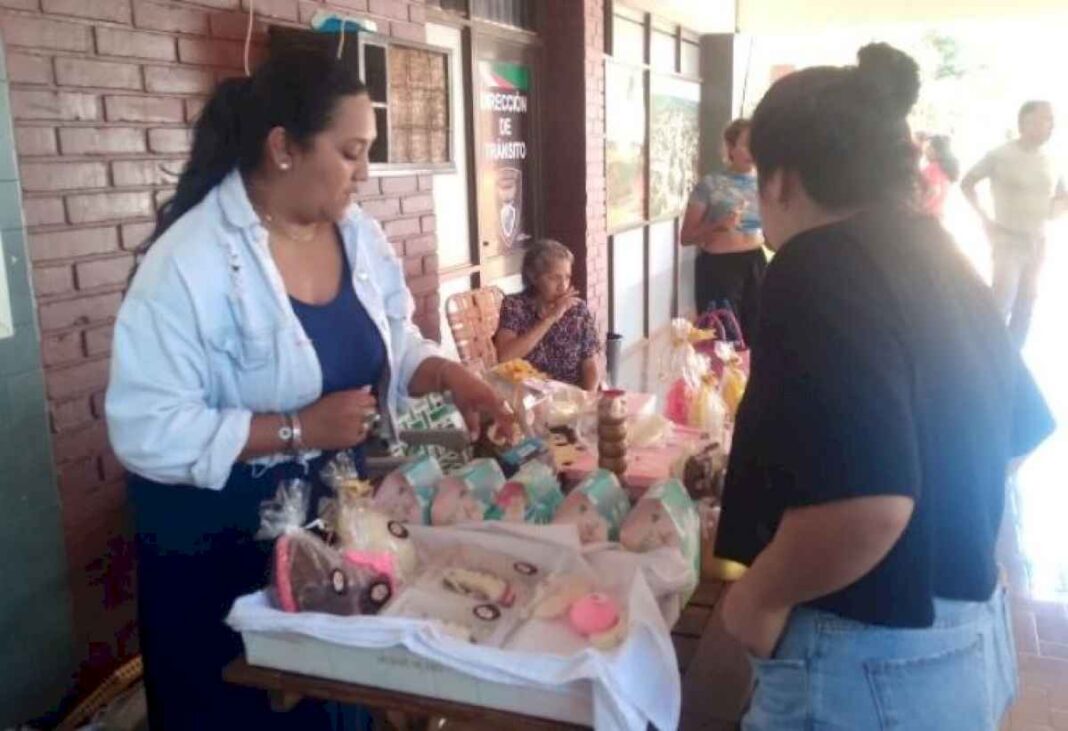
<point>707,410</point>
<point>684,370</point>
<point>408,492</point>
<point>434,412</point>
<point>681,360</point>
<point>531,448</point>
<point>597,506</point>
<point>467,494</point>
<point>307,575</point>
<point>370,539</point>
<point>532,495</point>
<point>665,516</point>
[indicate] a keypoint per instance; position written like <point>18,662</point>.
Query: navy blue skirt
<point>196,555</point>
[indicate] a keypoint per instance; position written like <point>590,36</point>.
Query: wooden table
<point>714,670</point>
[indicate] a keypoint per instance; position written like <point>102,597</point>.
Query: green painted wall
<point>36,658</point>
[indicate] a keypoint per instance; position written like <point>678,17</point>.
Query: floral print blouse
<point>570,341</point>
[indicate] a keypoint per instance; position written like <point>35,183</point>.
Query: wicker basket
<point>116,684</point>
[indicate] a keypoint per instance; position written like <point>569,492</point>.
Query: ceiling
<point>778,16</point>
<point>764,16</point>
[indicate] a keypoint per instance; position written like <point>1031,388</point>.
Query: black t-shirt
<point>881,367</point>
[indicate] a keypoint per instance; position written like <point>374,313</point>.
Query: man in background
<point>1027,191</point>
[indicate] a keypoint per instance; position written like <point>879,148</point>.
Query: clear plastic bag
<point>371,539</point>
<point>286,512</point>
<point>310,576</point>
<point>666,516</point>
<point>307,575</point>
<point>681,361</point>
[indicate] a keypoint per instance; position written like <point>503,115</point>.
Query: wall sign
<point>504,117</point>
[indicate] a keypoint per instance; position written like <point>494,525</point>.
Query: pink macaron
<point>594,614</point>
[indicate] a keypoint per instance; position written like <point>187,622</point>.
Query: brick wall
<point>103,93</point>
<point>575,202</point>
<point>595,175</point>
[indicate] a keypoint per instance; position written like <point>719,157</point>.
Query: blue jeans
<point>834,673</point>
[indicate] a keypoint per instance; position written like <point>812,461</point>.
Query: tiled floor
<point>1034,546</point>
<point>1035,543</point>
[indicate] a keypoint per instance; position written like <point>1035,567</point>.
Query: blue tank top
<point>349,347</point>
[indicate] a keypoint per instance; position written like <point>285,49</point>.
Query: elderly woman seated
<point>547,324</point>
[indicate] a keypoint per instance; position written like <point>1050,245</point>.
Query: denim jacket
<point>206,337</point>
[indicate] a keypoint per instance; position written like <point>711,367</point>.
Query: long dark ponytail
<point>296,88</point>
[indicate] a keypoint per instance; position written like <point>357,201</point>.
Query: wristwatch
<point>291,432</point>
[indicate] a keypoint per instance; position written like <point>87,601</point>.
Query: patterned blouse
<point>570,341</point>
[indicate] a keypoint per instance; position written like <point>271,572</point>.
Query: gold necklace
<point>279,227</point>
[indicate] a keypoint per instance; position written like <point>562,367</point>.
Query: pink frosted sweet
<point>677,402</point>
<point>594,614</point>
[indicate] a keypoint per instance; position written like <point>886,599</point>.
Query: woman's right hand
<point>560,306</point>
<point>339,420</point>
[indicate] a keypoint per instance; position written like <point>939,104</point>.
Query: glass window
<point>691,59</point>
<point>628,291</point>
<point>516,13</point>
<point>418,106</point>
<point>453,6</point>
<point>662,51</point>
<point>661,274</point>
<point>687,295</point>
<point>512,284</point>
<point>625,147</point>
<point>628,40</point>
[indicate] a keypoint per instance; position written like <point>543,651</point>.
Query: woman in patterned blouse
<point>547,324</point>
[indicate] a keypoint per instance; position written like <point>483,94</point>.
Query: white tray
<point>398,669</point>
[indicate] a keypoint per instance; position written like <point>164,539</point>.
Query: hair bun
<point>893,76</point>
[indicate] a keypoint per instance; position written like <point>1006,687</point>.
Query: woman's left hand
<point>474,397</point>
<point>757,627</point>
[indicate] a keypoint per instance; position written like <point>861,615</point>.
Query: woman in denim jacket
<point>267,326</point>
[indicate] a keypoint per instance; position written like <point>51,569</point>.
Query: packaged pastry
<point>486,593</point>
<point>467,494</point>
<point>665,516</point>
<point>594,615</point>
<point>310,576</point>
<point>532,495</point>
<point>408,492</point>
<point>307,575</point>
<point>597,506</point>
<point>702,471</point>
<point>371,539</point>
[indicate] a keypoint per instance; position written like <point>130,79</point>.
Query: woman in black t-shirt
<point>866,483</point>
